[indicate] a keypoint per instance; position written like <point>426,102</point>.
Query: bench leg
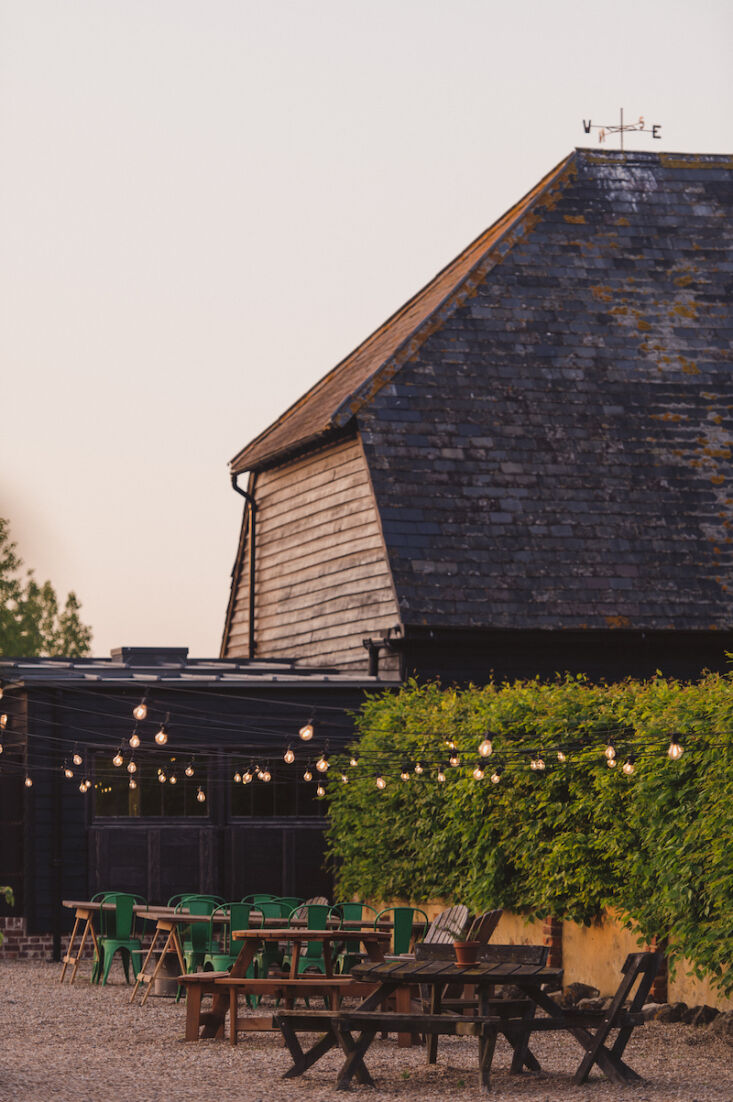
<point>193,1010</point>
<point>354,1063</point>
<point>304,1060</point>
<point>486,1045</point>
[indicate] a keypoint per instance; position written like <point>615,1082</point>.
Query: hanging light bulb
<point>117,759</point>
<point>132,783</point>
<point>381,783</point>
<point>628,767</point>
<point>76,758</point>
<point>405,774</point>
<point>140,710</point>
<point>162,778</point>
<point>289,756</point>
<point>266,775</point>
<point>485,747</point>
<point>344,778</point>
<point>201,795</point>
<point>611,763</point>
<point>322,763</point>
<point>173,779</point>
<point>134,739</point>
<point>28,781</point>
<point>306,731</point>
<point>237,778</point>
<point>68,773</point>
<point>419,768</point>
<point>354,760</point>
<point>132,766</point>
<point>83,786</point>
<point>1,690</point>
<point>610,750</point>
<point>320,791</point>
<point>161,736</point>
<point>561,756</point>
<point>478,772</point>
<point>450,744</point>
<point>3,721</point>
<point>539,764</point>
<point>189,769</point>
<point>1,748</point>
<point>675,750</point>
<point>441,773</point>
<point>454,759</point>
<point>308,775</point>
<point>496,775</point>
<point>247,776</point>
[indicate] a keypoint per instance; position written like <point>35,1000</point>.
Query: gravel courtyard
<point>87,1044</point>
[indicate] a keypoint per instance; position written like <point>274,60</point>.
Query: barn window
<point>286,794</point>
<point>150,795</point>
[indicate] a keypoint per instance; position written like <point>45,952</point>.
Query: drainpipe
<point>252,546</point>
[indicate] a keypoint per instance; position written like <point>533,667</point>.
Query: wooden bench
<point>200,984</point>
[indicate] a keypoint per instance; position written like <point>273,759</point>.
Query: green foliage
<point>568,841</point>
<point>6,894</point>
<point>31,620</point>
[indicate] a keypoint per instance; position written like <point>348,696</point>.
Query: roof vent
<point>150,656</point>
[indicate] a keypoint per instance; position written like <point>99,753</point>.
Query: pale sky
<point>205,205</point>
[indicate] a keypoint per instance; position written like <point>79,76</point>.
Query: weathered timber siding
<point>322,579</point>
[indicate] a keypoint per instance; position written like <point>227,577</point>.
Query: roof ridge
<point>338,412</point>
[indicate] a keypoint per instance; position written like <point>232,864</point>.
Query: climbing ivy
<point>569,840</point>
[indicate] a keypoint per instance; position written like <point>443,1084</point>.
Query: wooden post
<point>552,934</point>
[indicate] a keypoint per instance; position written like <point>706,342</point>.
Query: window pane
<point>287,794</point>
<point>176,796</point>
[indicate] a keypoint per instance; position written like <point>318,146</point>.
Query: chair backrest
<point>484,925</point>
<point>403,920</point>
<point>199,931</point>
<point>315,915</point>
<point>259,897</point>
<point>273,908</point>
<point>118,924</point>
<point>487,954</point>
<point>290,901</point>
<point>237,915</point>
<point>449,926</point>
<point>352,911</point>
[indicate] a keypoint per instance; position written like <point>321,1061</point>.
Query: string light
<point>173,779</point>
<point>478,772</point>
<point>306,731</point>
<point>140,710</point>
<point>266,775</point>
<point>450,744</point>
<point>419,769</point>
<point>76,757</point>
<point>1,748</point>
<point>405,774</point>
<point>68,773</point>
<point>454,759</point>
<point>610,750</point>
<point>162,778</point>
<point>161,736</point>
<point>201,795</point>
<point>134,739</point>
<point>485,747</point>
<point>308,775</point>
<point>675,750</point>
<point>132,766</point>
<point>237,778</point>
<point>289,756</point>
<point>628,766</point>
<point>3,721</point>
<point>381,783</point>
<point>354,761</point>
<point>441,773</point>
<point>322,763</point>
<point>320,791</point>
<point>611,763</point>
<point>561,757</point>
<point>496,775</point>
<point>344,778</point>
<point>83,786</point>
<point>537,764</point>
<point>247,776</point>
<point>132,782</point>
<point>189,769</point>
<point>28,781</point>
<point>117,760</point>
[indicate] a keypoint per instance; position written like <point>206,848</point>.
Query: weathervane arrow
<point>638,127</point>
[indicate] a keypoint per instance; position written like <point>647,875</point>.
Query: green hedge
<point>567,841</point>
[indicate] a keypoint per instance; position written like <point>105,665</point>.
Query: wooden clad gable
<point>322,577</point>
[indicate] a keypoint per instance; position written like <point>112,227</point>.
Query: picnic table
<point>226,987</point>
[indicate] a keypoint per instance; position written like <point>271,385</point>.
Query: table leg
<point>68,958</point>
<point>486,1045</point>
<point>403,1003</point>
<point>89,925</point>
<point>172,937</point>
<point>432,1038</point>
<point>141,973</point>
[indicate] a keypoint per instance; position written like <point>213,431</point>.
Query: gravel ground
<point>87,1044</point>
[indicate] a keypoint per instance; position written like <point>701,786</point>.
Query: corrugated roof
<point>337,396</point>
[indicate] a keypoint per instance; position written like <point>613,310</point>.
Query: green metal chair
<point>117,935</point>
<point>349,952</point>
<point>271,953</point>
<point>403,919</point>
<point>316,916</point>
<point>220,960</point>
<point>258,897</point>
<point>292,902</point>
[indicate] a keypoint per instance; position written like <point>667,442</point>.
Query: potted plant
<point>466,948</point>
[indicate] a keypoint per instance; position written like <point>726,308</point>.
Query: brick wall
<point>19,945</point>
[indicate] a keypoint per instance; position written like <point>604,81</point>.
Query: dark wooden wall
<point>322,578</point>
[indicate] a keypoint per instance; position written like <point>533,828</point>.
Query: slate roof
<point>550,444</point>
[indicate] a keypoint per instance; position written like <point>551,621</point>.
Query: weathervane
<point>604,131</point>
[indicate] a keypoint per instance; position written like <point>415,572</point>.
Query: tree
<point>31,621</point>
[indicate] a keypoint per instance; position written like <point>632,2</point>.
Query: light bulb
<point>82,787</point>
<point>419,768</point>
<point>320,791</point>
<point>132,766</point>
<point>140,711</point>
<point>189,770</point>
<point>539,764</point>
<point>29,782</point>
<point>68,773</point>
<point>162,778</point>
<point>237,778</point>
<point>675,750</point>
<point>322,764</point>
<point>441,774</point>
<point>485,748</point>
<point>561,757</point>
<point>289,756</point>
<point>266,775</point>
<point>344,778</point>
<point>610,751</point>
<point>133,782</point>
<point>381,783</point>
<point>478,773</point>
<point>3,721</point>
<point>611,763</point>
<point>308,776</point>
<point>354,760</point>
<point>1,748</point>
<point>450,744</point>
<point>454,760</point>
<point>161,736</point>
<point>134,740</point>
<point>76,758</point>
<point>496,775</point>
<point>247,777</point>
<point>405,774</point>
<point>173,779</point>
<point>117,759</point>
<point>628,766</point>
<point>201,795</point>
<point>306,731</point>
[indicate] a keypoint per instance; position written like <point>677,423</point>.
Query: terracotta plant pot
<point>466,951</point>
